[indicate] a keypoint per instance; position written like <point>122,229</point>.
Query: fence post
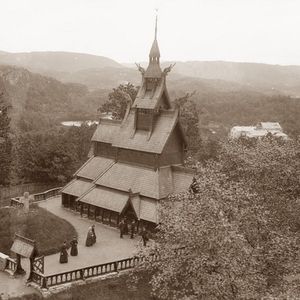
<point>116,266</point>
<point>44,283</point>
<point>82,274</point>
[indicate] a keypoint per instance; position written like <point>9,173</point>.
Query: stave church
<point>137,162</point>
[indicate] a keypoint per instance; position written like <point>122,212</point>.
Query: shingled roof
<point>129,139</point>
<point>150,100</point>
<point>106,131</point>
<point>105,198</point>
<point>141,180</point>
<point>77,187</point>
<point>94,167</point>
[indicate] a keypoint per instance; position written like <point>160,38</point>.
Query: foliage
<point>45,157</point>
<point>39,225</point>
<point>240,233</point>
<point>118,100</point>
<point>189,117</point>
<point>5,141</point>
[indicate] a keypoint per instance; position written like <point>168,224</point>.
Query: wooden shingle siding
<point>106,150</point>
<point>136,157</point>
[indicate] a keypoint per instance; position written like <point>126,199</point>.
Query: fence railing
<point>88,272</point>
<point>16,202</point>
<point>47,194</point>
<point>11,264</point>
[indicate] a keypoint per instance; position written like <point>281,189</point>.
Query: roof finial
<point>156,23</point>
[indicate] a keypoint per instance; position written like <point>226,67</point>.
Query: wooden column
<point>88,212</point>
<point>110,217</point>
<point>96,212</point>
<point>81,209</point>
<point>102,214</point>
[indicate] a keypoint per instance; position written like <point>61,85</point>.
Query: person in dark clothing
<point>74,249</point>
<point>145,236</point>
<point>121,226</point>
<point>64,253</point>
<point>125,226</point>
<point>94,234</point>
<point>90,237</point>
<point>132,229</point>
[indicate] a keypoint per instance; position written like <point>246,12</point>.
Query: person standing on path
<point>90,237</point>
<point>121,226</point>
<point>74,249</point>
<point>132,229</point>
<point>94,234</point>
<point>145,236</point>
<point>63,259</point>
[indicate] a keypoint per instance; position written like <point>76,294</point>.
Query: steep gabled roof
<point>139,140</point>
<point>106,131</point>
<point>151,99</point>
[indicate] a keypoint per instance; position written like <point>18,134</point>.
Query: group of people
<point>130,227</point>
<point>63,258</point>
<point>125,228</point>
<point>90,240</point>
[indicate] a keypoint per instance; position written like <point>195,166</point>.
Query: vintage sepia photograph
<point>150,149</point>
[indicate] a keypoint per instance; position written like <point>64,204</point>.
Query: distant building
<point>258,131</point>
<point>136,163</point>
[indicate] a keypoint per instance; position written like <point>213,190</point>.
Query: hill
<point>47,62</point>
<point>266,78</point>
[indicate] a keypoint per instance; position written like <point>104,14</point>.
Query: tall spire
<point>155,36</point>
<point>153,70</point>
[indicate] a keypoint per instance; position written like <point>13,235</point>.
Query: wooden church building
<point>137,162</point>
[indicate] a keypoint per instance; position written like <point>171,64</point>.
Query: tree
<point>240,232</point>
<point>189,117</point>
<point>118,100</point>
<point>46,156</point>
<point>5,141</point>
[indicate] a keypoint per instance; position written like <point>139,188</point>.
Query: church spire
<point>153,70</point>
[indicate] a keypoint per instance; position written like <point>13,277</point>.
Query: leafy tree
<point>240,232</point>
<point>5,141</point>
<point>118,100</point>
<point>189,117</point>
<point>46,157</point>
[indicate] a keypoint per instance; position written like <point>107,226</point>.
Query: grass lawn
<point>48,230</point>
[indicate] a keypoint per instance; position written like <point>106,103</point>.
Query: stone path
<point>109,247</point>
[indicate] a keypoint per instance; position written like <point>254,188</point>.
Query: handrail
<point>47,194</point>
<point>11,264</point>
<point>87,272</point>
<point>15,202</point>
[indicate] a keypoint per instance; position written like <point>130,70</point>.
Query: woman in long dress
<point>90,237</point>
<point>74,249</point>
<point>63,259</point>
<point>94,234</point>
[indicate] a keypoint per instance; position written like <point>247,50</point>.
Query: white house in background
<point>260,130</point>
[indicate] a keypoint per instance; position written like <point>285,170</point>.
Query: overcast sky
<point>233,30</point>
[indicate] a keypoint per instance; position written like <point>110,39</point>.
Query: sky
<point>265,31</point>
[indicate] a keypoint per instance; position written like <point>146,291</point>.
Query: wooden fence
<point>88,272</point>
<point>8,192</point>
<point>11,264</point>
<point>16,202</point>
